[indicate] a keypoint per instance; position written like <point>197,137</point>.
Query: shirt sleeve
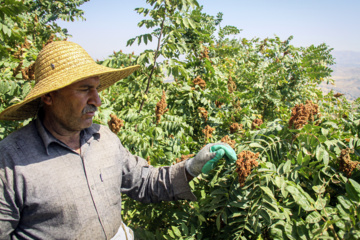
<point>9,212</point>
<point>150,184</point>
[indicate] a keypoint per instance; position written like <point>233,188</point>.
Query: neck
<point>69,137</point>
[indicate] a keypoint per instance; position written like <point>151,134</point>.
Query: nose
<point>94,98</point>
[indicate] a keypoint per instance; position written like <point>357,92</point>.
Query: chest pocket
<point>110,183</point>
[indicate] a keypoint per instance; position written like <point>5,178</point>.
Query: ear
<point>47,99</point>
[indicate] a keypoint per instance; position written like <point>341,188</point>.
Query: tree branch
<point>155,58</point>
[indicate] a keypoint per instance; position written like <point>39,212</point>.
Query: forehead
<point>91,81</point>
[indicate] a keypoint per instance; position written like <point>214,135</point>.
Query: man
<point>61,176</point>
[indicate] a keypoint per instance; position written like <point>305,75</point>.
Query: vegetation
<point>296,176</point>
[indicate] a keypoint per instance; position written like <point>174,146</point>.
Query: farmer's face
<point>73,107</point>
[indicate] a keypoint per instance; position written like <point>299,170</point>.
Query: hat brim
<point>30,105</point>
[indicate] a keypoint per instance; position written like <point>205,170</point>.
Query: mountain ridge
<point>346,73</point>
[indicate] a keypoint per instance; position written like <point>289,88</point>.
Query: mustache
<point>89,108</point>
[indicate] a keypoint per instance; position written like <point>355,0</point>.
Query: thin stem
<point>155,58</point>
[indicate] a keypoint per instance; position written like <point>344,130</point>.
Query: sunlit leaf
<point>313,217</point>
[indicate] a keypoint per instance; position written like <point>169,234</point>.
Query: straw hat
<point>58,65</point>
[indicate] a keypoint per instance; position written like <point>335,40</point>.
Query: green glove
<point>221,151</point>
<point>207,158</point>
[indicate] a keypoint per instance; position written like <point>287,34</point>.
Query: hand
<point>207,158</point>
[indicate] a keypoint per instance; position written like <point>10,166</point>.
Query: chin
<point>87,123</point>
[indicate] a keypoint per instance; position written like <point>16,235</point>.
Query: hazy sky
<point>110,23</point>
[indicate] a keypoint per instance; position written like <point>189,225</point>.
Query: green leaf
<point>301,230</point>
<point>201,218</point>
<point>320,203</point>
<point>344,214</point>
<point>176,231</point>
<point>329,123</point>
<point>279,181</point>
<point>242,205</point>
<point>319,189</point>
<point>185,229</point>
<point>277,230</point>
<point>324,131</point>
<point>299,198</point>
<point>6,30</point>
<point>326,158</point>
<point>344,202</point>
<point>219,191</point>
<point>192,23</point>
<point>268,192</point>
<point>322,138</point>
<point>283,189</point>
<point>299,158</point>
<point>139,10</point>
<point>289,231</point>
<point>307,128</point>
<point>238,214</point>
<point>319,153</point>
<point>313,217</point>
<point>287,166</point>
<point>265,216</point>
<point>185,22</point>
<point>255,145</point>
<point>328,211</point>
<point>218,222</point>
<point>171,233</point>
<point>145,39</point>
<point>353,190</point>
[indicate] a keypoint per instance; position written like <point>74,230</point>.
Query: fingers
<point>230,154</point>
<point>218,155</point>
<point>212,155</point>
<point>212,163</point>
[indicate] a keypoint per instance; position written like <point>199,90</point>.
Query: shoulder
<point>18,138</point>
<point>14,147</point>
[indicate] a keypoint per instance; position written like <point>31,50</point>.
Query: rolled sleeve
<point>150,184</point>
<point>179,182</point>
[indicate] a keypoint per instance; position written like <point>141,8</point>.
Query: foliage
<point>25,27</point>
<point>245,89</point>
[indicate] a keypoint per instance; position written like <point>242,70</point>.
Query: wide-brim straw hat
<point>58,65</point>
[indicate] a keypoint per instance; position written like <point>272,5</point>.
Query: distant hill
<point>346,74</point>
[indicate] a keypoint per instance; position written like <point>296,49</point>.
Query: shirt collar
<point>86,135</point>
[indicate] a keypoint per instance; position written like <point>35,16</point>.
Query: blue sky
<point>110,23</point>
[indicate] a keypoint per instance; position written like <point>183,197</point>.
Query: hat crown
<point>60,56</point>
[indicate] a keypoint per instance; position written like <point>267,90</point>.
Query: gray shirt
<point>48,191</point>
